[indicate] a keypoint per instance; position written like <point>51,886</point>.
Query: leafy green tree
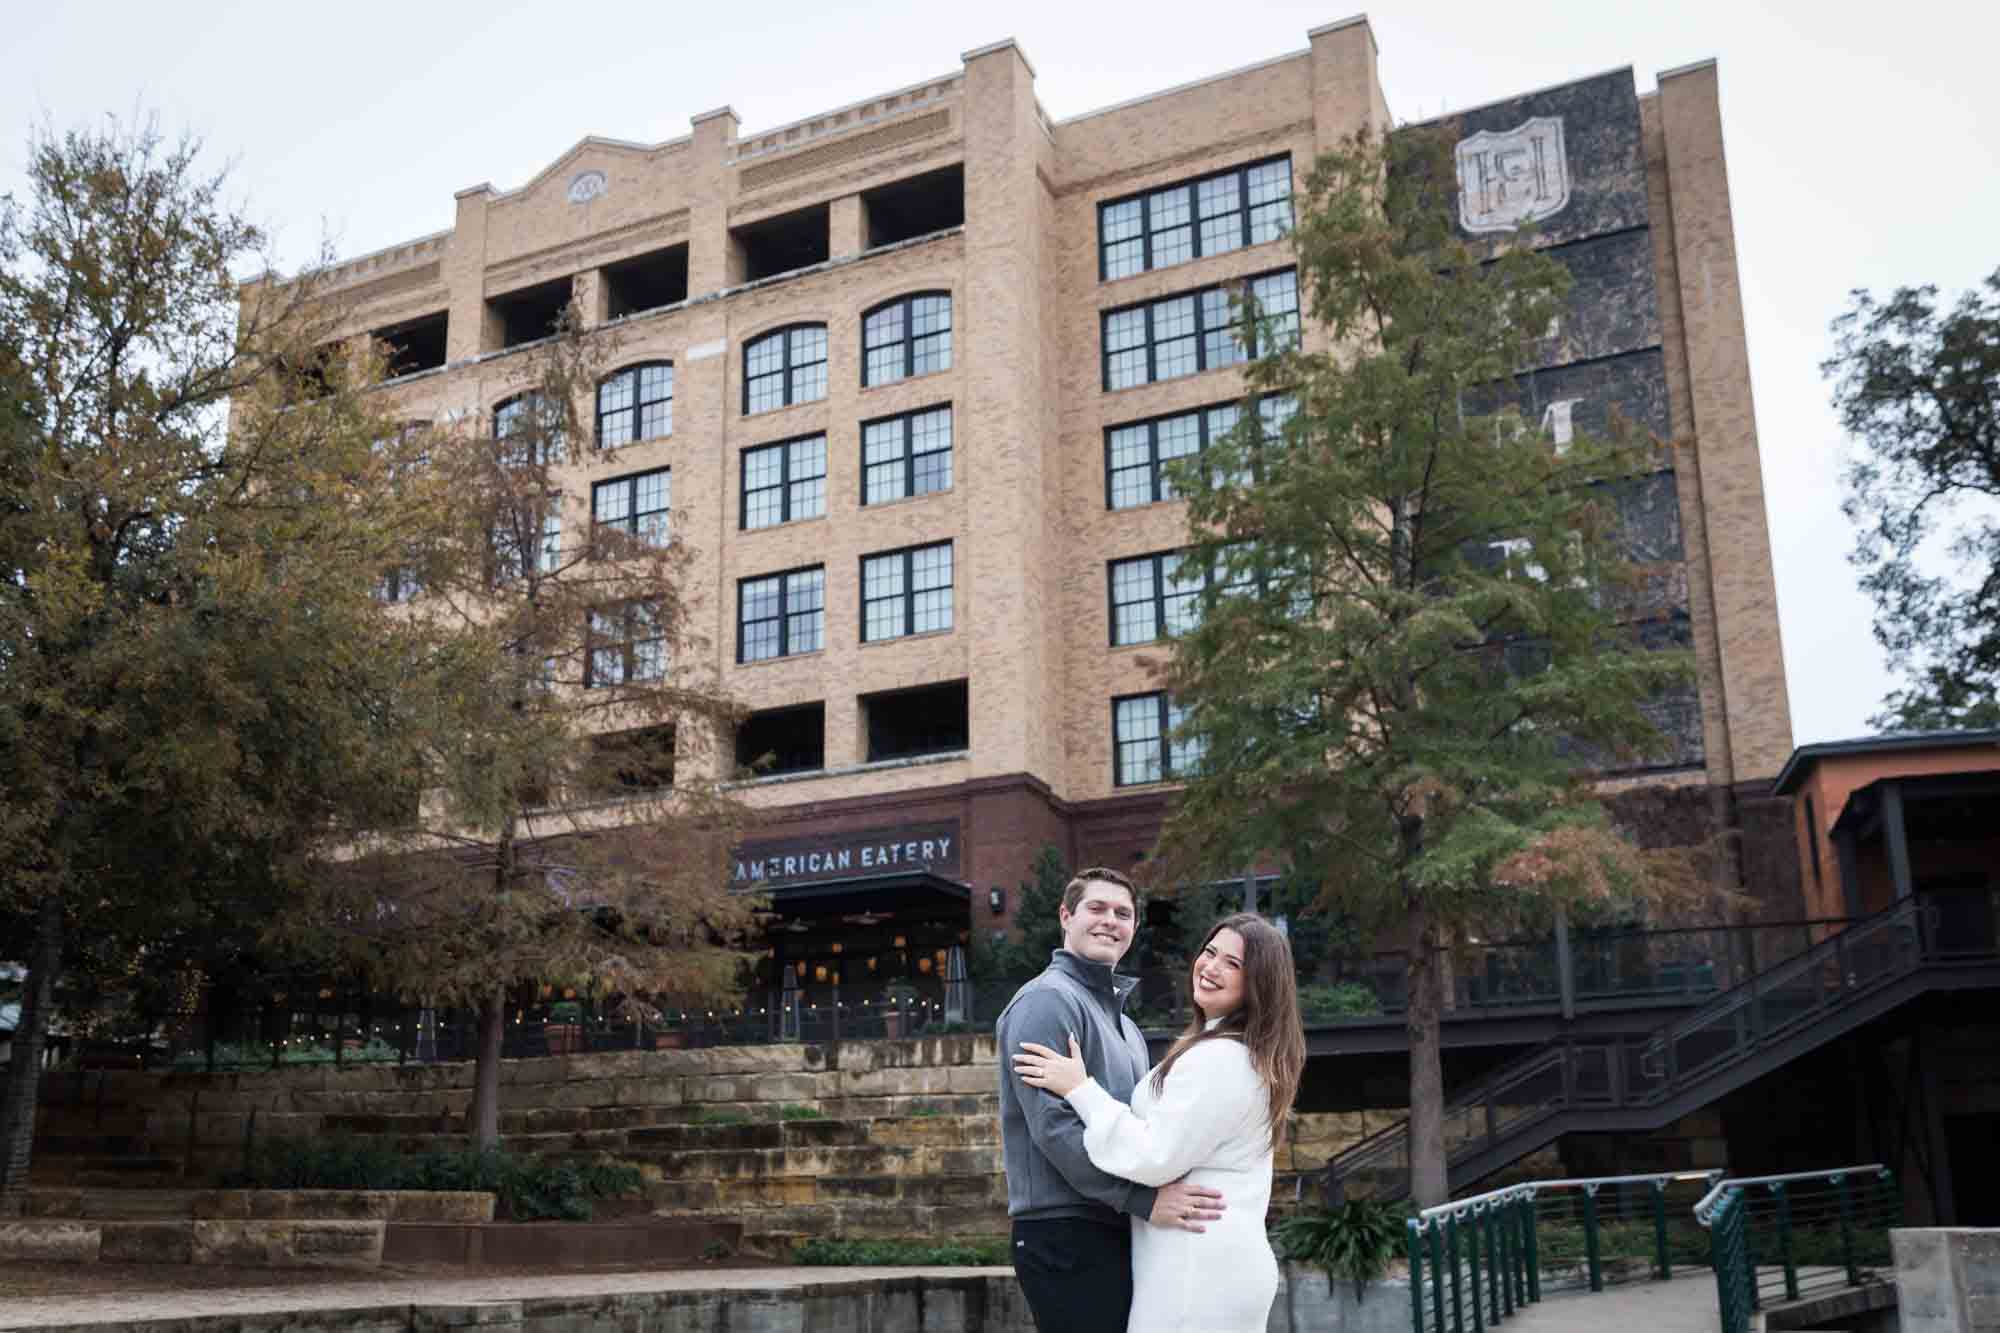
<point>571,820</point>
<point>1036,905</point>
<point>1418,631</point>
<point>196,686</point>
<point>1918,385</point>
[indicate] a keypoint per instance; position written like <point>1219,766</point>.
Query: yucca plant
<point>1353,1242</point>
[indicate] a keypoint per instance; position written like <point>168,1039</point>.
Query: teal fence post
<point>1416,1244</point>
<point>1523,1213</point>
<point>1459,1295</point>
<point>1847,1231</point>
<point>1592,1257</point>
<point>1441,1245</point>
<point>1660,1229</point>
<point>1503,1228</point>
<point>1534,1251</point>
<point>1472,1276</point>
<point>1785,1241</point>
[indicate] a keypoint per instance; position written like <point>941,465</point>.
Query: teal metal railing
<point>1476,1262</point>
<point>1778,1239</point>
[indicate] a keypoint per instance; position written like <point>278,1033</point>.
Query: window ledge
<point>742,531</point>
<point>606,450</point>
<point>905,638</point>
<point>869,505</point>
<point>767,413</point>
<point>908,379</point>
<point>1105,284</point>
<point>1237,366</point>
<point>849,770</point>
<point>785,657</point>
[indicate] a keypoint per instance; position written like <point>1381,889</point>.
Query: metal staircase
<point>1628,1083</point>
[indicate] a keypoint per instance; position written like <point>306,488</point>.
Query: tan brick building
<point>910,365</point>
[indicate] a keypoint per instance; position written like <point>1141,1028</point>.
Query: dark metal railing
<point>1778,1239</point>
<point>1624,1072</point>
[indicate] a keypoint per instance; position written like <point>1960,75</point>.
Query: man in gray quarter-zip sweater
<point>1072,1243</point>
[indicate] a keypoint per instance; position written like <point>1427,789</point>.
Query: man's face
<point>1100,928</point>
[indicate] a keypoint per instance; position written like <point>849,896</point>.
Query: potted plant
<point>563,1028</point>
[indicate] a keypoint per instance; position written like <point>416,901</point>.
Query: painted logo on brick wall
<point>1509,177</point>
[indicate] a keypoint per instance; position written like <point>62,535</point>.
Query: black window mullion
<point>1159,597</point>
<point>909,559</point>
<point>784,616</point>
<point>785,477</point>
<point>1153,450</point>
<point>1152,348</point>
<point>909,306</point>
<point>1146,233</point>
<point>1166,743</point>
<point>1243,202</point>
<point>909,456</point>
<point>1194,219</point>
<point>1200,329</point>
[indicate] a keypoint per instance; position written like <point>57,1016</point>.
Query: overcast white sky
<point>1862,142</point>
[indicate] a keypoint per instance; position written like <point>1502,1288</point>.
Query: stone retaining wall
<point>288,1243</point>
<point>962,1300</point>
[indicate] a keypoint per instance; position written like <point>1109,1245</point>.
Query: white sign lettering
<point>831,860</point>
<point>1506,179</point>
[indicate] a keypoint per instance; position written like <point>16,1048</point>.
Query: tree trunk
<point>486,1069</point>
<point>1428,1183</point>
<point>24,1075</point>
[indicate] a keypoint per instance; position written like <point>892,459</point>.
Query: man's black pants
<point>1076,1273</point>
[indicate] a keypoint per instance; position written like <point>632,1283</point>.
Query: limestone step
<point>748,1197</point>
<point>440,1206</point>
<point>774,1231</point>
<point>793,1163</point>
<point>103,1169</point>
<point>838,1108</point>
<point>964,1131</point>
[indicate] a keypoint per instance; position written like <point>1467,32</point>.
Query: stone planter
<point>1309,1304</point>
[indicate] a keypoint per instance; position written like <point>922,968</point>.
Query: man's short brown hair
<point>1073,892</point>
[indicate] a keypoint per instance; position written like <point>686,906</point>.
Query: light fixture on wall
<point>996,898</point>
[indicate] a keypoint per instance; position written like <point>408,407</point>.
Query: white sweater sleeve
<point>1210,1093</point>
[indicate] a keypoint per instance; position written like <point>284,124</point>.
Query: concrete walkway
<point>1685,1305</point>
<point>37,1312</point>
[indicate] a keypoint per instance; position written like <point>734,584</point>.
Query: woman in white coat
<point>1211,1111</point>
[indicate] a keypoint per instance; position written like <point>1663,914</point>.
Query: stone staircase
<point>860,1140</point>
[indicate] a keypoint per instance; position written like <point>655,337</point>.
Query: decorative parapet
<point>888,106</point>
<point>394,260</point>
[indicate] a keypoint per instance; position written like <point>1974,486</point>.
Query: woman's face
<point>1218,975</point>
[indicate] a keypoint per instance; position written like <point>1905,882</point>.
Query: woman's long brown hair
<point>1267,1023</point>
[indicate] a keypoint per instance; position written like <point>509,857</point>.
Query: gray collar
<point>1098,978</point>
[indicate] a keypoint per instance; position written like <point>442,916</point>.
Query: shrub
<point>832,1252</point>
<point>793,1111</point>
<point>1353,1242</point>
<point>257,1055</point>
<point>710,1115</point>
<point>924,1111</point>
<point>1350,999</point>
<point>528,1188</point>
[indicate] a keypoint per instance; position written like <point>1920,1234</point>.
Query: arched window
<point>636,403</point>
<point>784,367</point>
<point>910,335</point>
<point>529,428</point>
